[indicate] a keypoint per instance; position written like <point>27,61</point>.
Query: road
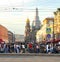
<point>31,58</point>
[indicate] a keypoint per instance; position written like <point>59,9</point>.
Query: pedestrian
<point>30,47</point>
<point>6,49</point>
<point>47,48</point>
<point>2,48</point>
<point>37,49</point>
<point>15,48</point>
<point>23,48</point>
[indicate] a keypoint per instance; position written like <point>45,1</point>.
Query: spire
<point>36,23</point>
<point>36,11</point>
<point>27,30</point>
<point>36,15</point>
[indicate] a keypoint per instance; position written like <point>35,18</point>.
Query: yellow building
<point>50,30</point>
<point>57,24</point>
<point>47,29</point>
<point>40,36</point>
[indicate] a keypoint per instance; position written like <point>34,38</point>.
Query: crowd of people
<point>28,48</point>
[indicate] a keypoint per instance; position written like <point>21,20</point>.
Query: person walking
<point>23,48</point>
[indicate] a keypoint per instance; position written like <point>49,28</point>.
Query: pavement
<point>29,57</point>
<point>28,54</point>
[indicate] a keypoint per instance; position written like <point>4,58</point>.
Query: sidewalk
<point>28,54</point>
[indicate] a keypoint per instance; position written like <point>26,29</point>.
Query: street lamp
<point>53,33</point>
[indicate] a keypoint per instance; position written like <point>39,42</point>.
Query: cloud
<point>14,2</point>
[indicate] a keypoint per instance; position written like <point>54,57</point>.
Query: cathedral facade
<point>27,31</point>
<point>36,25</point>
<point>30,32</point>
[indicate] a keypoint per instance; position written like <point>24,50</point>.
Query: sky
<point>14,13</point>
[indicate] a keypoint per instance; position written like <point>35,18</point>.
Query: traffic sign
<point>48,30</point>
<point>48,36</point>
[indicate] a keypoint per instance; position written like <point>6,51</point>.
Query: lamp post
<point>53,33</point>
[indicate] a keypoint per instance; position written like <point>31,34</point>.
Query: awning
<point>53,41</point>
<point>1,41</point>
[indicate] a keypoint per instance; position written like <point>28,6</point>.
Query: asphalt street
<point>29,58</point>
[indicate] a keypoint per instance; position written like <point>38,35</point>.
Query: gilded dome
<point>27,21</point>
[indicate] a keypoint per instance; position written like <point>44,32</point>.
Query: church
<point>30,32</point>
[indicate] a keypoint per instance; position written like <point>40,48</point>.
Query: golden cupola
<point>27,21</point>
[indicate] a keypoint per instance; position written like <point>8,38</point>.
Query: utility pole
<point>53,33</point>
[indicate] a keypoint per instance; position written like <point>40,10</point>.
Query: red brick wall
<point>3,33</point>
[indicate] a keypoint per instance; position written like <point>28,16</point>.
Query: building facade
<point>11,37</point>
<point>27,34</point>
<point>52,29</point>
<point>36,22</point>
<point>45,34</point>
<point>57,24</point>
<point>36,25</point>
<point>19,38</point>
<point>4,34</point>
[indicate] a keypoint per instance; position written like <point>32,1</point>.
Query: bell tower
<point>27,31</point>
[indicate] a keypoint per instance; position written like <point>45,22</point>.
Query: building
<point>27,31</point>
<point>45,34</point>
<point>41,35</point>
<point>11,37</point>
<point>19,38</point>
<point>57,24</point>
<point>36,25</point>
<point>4,34</point>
